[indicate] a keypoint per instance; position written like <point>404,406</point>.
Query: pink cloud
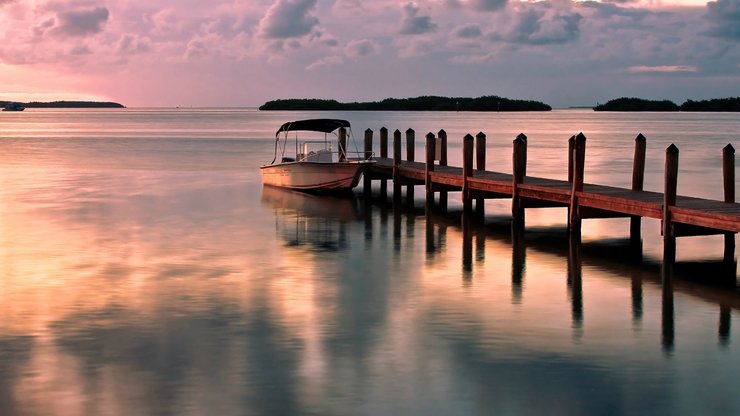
<point>82,22</point>
<point>289,19</point>
<point>662,68</point>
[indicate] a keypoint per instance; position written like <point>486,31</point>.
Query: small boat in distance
<point>315,166</point>
<point>14,107</point>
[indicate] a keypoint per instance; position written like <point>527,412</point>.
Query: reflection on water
<point>157,283</point>
<point>306,219</point>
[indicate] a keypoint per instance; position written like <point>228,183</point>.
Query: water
<point>143,270</point>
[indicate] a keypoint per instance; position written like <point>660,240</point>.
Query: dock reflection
<point>611,257</point>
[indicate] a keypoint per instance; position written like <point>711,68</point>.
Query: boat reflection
<point>315,222</point>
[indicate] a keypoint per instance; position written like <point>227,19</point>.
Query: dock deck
<point>681,215</point>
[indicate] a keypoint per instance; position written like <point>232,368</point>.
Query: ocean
<point>144,270</point>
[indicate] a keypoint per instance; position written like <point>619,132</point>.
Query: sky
<point>244,52</point>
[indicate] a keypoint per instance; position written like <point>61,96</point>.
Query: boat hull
<point>313,176</point>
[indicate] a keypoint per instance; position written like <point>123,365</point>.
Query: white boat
<point>315,165</point>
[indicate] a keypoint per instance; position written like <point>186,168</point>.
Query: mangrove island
<point>424,103</point>
<point>639,104</point>
<point>65,104</point>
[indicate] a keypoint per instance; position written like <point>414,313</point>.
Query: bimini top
<point>324,125</point>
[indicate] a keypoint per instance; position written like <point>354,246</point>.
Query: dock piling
<point>442,137</point>
<point>467,171</point>
<point>410,149</point>
<point>367,180</point>
<point>638,179</point>
<point>396,166</point>
<point>383,154</point>
<point>519,166</point>
<point>669,200</point>
<point>571,147</point>
<point>480,164</point>
<point>579,161</point>
<point>728,175</point>
<point>431,147</point>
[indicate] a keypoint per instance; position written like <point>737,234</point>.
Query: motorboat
<point>315,165</point>
<point>14,107</point>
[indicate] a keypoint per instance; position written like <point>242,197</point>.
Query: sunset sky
<point>245,52</point>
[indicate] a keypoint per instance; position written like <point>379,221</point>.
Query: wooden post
<point>396,164</point>
<point>383,153</point>
<point>383,142</point>
<point>480,164</point>
<point>519,167</point>
<point>638,179</point>
<point>342,144</point>
<point>728,175</point>
<point>467,171</point>
<point>410,145</point>
<point>669,200</point>
<point>442,137</point>
<point>366,181</point>
<point>431,148</point>
<point>579,161</point>
<point>571,147</point>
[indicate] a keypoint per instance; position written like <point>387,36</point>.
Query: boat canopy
<point>324,125</point>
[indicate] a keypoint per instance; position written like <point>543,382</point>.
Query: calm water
<point>144,270</point>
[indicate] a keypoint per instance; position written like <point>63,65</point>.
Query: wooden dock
<point>680,215</point>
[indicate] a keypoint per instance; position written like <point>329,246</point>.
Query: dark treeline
<point>66,104</point>
<point>638,104</point>
<point>718,104</point>
<point>425,103</point>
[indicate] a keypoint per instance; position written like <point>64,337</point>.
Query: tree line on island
<point>492,103</point>
<point>64,104</point>
<point>638,104</point>
<point>424,103</point>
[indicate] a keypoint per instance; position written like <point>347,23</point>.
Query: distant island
<point>424,103</point>
<point>65,104</point>
<point>639,104</point>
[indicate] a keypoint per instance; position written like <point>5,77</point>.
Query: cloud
<point>360,48</point>
<point>80,50</point>
<point>351,5</point>
<point>725,18</point>
<point>671,69</point>
<point>413,24</point>
<point>542,25</point>
<point>488,5</point>
<point>289,19</point>
<point>82,22</point>
<point>325,63</point>
<point>471,31</point>
<point>41,29</point>
<point>130,44</point>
